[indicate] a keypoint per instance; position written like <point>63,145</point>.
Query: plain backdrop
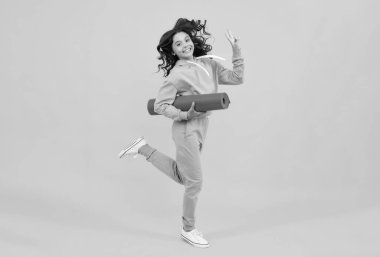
<point>291,168</point>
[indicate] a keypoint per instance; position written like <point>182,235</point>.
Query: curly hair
<point>197,33</point>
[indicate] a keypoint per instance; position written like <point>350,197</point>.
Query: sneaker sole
<point>193,243</point>
<point>122,153</point>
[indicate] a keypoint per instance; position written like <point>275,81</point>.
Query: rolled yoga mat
<point>203,103</point>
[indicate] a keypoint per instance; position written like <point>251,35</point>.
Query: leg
<point>162,162</point>
<point>188,161</point>
<point>186,171</point>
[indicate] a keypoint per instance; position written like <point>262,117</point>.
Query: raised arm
<point>236,75</point>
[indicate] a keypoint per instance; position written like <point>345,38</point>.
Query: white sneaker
<point>195,238</point>
<point>133,148</point>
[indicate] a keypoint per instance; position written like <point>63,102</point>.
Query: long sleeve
<point>236,75</point>
<point>164,100</point>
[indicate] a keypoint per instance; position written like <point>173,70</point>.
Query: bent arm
<point>236,75</point>
<point>164,102</point>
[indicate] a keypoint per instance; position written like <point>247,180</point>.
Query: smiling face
<point>183,46</point>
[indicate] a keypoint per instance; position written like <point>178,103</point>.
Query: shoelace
<point>198,233</point>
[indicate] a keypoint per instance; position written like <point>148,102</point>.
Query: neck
<point>188,59</point>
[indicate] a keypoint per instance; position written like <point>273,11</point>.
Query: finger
<point>231,35</point>
<point>201,114</point>
<point>233,38</point>
<point>228,35</point>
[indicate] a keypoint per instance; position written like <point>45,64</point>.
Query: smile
<point>188,50</point>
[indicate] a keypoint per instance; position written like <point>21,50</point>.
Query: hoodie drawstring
<point>200,66</point>
<point>206,56</point>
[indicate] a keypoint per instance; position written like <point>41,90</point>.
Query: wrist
<point>236,51</point>
<point>183,115</point>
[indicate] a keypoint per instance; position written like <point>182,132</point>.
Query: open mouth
<point>188,50</point>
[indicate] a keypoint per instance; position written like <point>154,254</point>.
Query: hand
<point>192,113</point>
<point>234,41</point>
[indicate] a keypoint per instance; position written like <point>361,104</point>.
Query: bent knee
<point>194,186</point>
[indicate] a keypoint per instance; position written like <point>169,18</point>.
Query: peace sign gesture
<point>234,41</point>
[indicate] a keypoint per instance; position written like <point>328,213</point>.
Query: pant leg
<point>186,170</point>
<point>189,165</point>
<point>188,161</point>
<point>162,162</point>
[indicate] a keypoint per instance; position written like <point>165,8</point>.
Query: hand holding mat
<point>203,103</point>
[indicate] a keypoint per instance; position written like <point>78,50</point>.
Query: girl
<point>188,70</point>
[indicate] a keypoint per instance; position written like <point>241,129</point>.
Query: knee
<point>194,186</point>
